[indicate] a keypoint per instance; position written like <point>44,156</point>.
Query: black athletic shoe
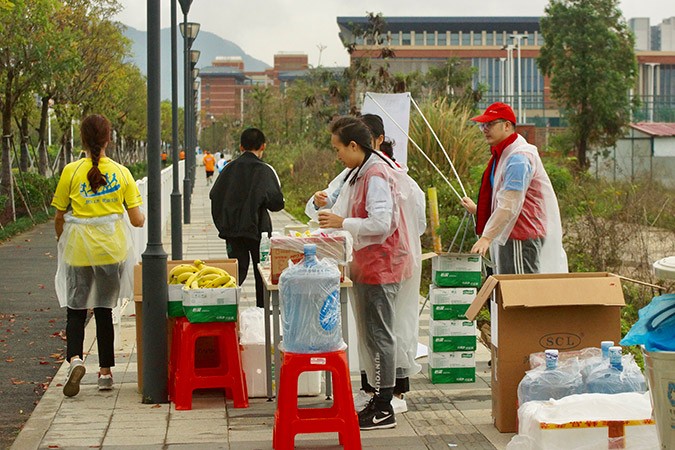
<point>375,418</point>
<point>368,408</point>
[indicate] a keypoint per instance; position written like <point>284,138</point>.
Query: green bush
<point>36,190</point>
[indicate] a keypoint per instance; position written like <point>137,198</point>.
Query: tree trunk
<point>23,155</point>
<point>69,145</point>
<point>7,209</point>
<point>581,154</point>
<point>43,158</point>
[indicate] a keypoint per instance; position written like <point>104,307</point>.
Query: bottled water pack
<point>550,381</point>
<point>614,378</point>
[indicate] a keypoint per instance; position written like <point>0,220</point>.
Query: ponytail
<point>95,132</point>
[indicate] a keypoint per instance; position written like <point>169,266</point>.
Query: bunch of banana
<point>210,277</point>
<point>302,235</point>
<point>180,273</point>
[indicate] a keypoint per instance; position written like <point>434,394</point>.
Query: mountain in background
<point>209,44</point>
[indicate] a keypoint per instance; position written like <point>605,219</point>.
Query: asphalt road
<point>32,326</point>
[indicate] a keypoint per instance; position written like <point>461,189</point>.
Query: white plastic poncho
<point>406,325</point>
<point>103,243</point>
<point>533,208</point>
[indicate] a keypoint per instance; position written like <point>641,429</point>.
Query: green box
<point>457,270</point>
<point>450,303</point>
<point>211,305</point>
<point>456,375</point>
<point>175,306</point>
<point>452,367</point>
<point>452,335</point>
<point>453,343</point>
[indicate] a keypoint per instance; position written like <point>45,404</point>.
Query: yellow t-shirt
<point>74,189</point>
<point>96,245</point>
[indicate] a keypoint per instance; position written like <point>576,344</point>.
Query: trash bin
<point>660,368</point>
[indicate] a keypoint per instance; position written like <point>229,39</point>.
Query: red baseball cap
<point>496,111</point>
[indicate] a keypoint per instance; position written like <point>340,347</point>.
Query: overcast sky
<point>265,27</point>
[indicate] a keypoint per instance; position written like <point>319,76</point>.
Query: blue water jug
<point>551,382</point>
<point>309,295</point>
<point>613,379</point>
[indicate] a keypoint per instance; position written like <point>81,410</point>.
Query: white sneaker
<point>399,404</point>
<point>75,373</point>
<point>361,399</point>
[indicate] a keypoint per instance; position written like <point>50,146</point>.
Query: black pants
<point>105,335</point>
<point>246,250</point>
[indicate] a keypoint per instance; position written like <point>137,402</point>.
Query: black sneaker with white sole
<point>377,418</point>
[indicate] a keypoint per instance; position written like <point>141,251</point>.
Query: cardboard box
<point>211,305</point>
<point>452,367</point>
<point>175,306</point>
<point>286,248</point>
<point>531,313</point>
<point>456,270</point>
<point>450,303</point>
<point>452,335</point>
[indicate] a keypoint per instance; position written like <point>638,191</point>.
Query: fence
<point>141,234</point>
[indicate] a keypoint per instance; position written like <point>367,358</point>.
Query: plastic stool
<point>185,377</point>
<point>290,420</point>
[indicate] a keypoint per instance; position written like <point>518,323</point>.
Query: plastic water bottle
<point>604,347</point>
<point>594,363</point>
<point>551,382</point>
<point>309,294</point>
<point>265,244</point>
<point>613,379</point>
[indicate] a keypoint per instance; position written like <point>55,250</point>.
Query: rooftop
<point>662,129</point>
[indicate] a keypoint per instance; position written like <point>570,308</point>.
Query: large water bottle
<point>265,245</point>
<point>309,294</point>
<point>594,363</point>
<point>613,379</point>
<point>552,382</point>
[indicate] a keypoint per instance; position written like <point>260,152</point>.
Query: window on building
<point>466,38</point>
<point>431,38</point>
<point>406,39</point>
<point>394,39</point>
<point>442,39</point>
<point>454,39</point>
<point>499,39</point>
<point>419,38</point>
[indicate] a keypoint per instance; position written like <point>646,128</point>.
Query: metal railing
<point>141,234</point>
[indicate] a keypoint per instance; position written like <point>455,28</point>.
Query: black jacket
<point>242,195</point>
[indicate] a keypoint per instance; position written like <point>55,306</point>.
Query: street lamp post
<point>502,81</point>
<point>189,30</point>
<point>509,72</point>
<point>194,72</point>
<point>155,289</point>
<point>516,40</point>
<point>176,213</point>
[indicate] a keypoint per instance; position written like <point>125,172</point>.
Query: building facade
<point>504,51</point>
<point>225,82</point>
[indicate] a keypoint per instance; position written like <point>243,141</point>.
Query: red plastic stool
<point>290,420</point>
<point>185,377</point>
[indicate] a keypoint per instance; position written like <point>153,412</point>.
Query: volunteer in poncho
<point>407,318</point>
<point>517,215</point>
<point>95,247</point>
<point>369,207</point>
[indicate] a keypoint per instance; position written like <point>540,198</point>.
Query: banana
<point>218,281</point>
<point>183,277</point>
<point>182,268</point>
<point>231,284</point>
<point>191,280</point>
<point>194,285</point>
<point>198,263</point>
<point>206,270</point>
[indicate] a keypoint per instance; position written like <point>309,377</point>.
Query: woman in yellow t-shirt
<point>95,247</point>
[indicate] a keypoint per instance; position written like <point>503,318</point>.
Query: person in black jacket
<point>240,199</point>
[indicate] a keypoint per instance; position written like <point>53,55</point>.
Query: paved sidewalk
<point>439,416</point>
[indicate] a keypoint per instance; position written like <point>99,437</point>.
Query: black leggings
<point>105,335</point>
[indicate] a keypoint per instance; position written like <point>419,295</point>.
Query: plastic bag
<point>538,359</point>
<point>252,326</point>
<point>543,384</point>
<point>655,328</point>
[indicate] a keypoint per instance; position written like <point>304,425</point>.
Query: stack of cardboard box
<point>452,337</point>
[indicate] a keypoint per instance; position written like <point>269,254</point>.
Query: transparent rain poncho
<point>538,212</point>
<point>95,262</point>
